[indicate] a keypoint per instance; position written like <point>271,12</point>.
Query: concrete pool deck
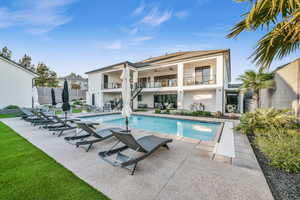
<point>186,171</point>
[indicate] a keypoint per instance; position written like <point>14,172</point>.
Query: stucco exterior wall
<point>189,68</point>
<point>94,85</point>
<point>15,85</point>
<point>286,94</point>
<point>147,98</point>
<point>208,98</point>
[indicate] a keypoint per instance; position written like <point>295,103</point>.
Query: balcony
<point>202,80</point>
<point>159,84</point>
<point>111,85</point>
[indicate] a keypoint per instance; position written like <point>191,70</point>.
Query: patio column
<point>241,102</point>
<point>180,93</point>
<point>100,99</point>
<point>219,100</point>
<point>220,71</point>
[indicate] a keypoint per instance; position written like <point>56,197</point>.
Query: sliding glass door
<point>163,100</point>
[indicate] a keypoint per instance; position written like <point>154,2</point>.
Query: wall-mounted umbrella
<point>65,99</point>
<point>126,95</point>
<point>53,97</point>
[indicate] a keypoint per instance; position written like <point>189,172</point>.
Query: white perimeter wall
<point>147,98</point>
<point>15,86</point>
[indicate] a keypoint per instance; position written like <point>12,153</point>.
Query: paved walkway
<point>183,172</point>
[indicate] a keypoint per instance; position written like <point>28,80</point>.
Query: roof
<point>282,66</point>
<point>73,76</point>
<point>182,55</point>
<point>166,59</point>
<point>18,65</point>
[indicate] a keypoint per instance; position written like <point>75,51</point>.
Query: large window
<point>163,100</point>
<point>202,75</point>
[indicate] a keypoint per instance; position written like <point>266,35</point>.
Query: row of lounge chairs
<point>87,135</point>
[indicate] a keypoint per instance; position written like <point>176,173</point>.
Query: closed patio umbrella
<point>53,97</point>
<point>35,97</point>
<point>126,95</point>
<point>65,99</point>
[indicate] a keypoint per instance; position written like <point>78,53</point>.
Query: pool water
<point>179,127</point>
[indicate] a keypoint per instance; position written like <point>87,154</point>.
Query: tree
<point>26,62</point>
<point>52,79</point>
<point>255,81</point>
<point>43,73</point>
<point>281,18</point>
<point>46,78</point>
<point>5,52</point>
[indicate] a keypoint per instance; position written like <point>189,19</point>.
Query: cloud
<point>117,44</point>
<point>141,39</point>
<point>202,2</point>
<point>36,17</point>
<point>182,14</point>
<point>156,17</point>
<point>139,10</point>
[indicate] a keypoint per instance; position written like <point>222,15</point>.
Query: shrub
<point>11,107</point>
<point>282,150</point>
<point>264,121</point>
<point>157,111</point>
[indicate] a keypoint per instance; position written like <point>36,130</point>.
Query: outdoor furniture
<point>97,135</point>
<point>146,145</point>
<point>68,124</point>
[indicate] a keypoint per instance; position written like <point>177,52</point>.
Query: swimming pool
<point>179,127</point>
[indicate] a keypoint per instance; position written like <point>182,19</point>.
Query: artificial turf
<point>27,173</point>
<point>8,115</point>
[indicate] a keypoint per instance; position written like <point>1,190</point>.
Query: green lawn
<point>29,174</point>
<point>8,115</point>
<point>75,110</point>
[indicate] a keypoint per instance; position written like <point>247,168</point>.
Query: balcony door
<point>105,81</point>
<point>166,80</point>
<point>202,75</point>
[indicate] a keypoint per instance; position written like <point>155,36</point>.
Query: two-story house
<point>183,79</point>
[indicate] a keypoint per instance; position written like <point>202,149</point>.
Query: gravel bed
<point>284,186</point>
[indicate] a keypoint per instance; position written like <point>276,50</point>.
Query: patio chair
<point>146,145</point>
<point>98,135</point>
<point>65,125</point>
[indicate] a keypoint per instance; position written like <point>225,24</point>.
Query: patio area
<point>186,171</point>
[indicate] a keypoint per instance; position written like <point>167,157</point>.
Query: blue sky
<point>80,35</point>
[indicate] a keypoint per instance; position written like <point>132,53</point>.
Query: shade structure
<point>65,98</point>
<point>126,95</point>
<point>35,97</point>
<point>53,97</point>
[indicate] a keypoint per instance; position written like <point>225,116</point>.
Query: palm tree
<point>255,81</point>
<point>281,18</point>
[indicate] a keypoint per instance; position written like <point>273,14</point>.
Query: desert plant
<point>282,150</point>
<point>255,81</point>
<point>264,121</point>
<point>280,18</point>
<point>157,111</point>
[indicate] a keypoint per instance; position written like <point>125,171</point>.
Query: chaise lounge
<point>146,145</point>
<point>97,135</point>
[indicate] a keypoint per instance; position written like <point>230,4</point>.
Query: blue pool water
<point>186,128</point>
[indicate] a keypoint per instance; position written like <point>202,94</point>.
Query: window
<point>105,81</point>
<point>202,75</point>
<point>140,97</point>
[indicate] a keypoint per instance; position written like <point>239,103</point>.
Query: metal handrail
<point>203,80</point>
<point>159,84</point>
<point>111,85</point>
